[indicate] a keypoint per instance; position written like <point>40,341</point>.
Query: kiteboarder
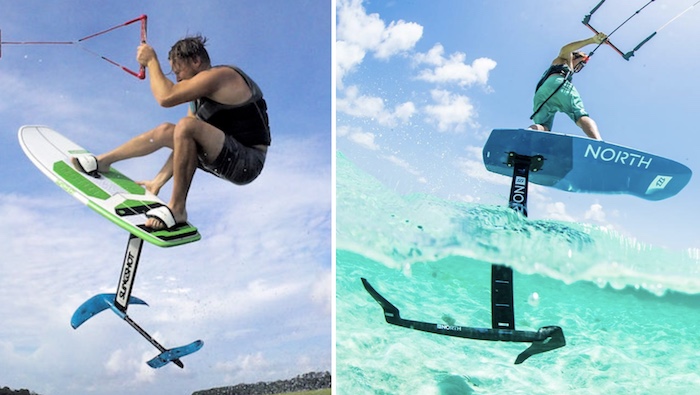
<point>226,131</point>
<point>556,93</point>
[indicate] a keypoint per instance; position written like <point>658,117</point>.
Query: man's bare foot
<point>538,127</point>
<point>164,218</point>
<point>150,186</point>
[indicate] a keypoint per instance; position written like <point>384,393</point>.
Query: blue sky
<point>256,288</point>
<point>420,87</point>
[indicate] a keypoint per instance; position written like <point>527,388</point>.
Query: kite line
<point>629,54</point>
<point>141,74</point>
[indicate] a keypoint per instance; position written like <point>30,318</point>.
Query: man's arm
<point>566,50</point>
<point>169,94</point>
<point>160,84</point>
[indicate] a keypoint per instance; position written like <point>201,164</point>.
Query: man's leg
<point>188,134</point>
<point>144,144</point>
<point>589,127</point>
<point>543,119</point>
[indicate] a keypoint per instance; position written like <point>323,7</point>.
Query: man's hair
<point>190,48</point>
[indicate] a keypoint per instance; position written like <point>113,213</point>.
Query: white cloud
<point>347,56</point>
<point>472,165</point>
<point>452,111</point>
<point>596,213</point>
<point>398,37</point>
<point>404,111</point>
<point>364,139</point>
<point>557,211</point>
<point>454,69</point>
<point>432,57</point>
<point>358,136</point>
<point>357,105</point>
<point>363,106</point>
<point>321,290</point>
<point>235,370</point>
<point>370,33</point>
<point>358,33</point>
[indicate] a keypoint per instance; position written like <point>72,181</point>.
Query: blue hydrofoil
<point>119,301</point>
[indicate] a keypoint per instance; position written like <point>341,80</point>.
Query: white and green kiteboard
<point>113,195</point>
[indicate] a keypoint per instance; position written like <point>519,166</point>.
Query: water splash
<point>399,231</point>
<point>431,258</point>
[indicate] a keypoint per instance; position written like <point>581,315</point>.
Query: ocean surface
<point>630,312</point>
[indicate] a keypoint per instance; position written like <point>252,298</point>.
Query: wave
<point>400,231</point>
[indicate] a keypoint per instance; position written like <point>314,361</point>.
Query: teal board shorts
<point>566,100</point>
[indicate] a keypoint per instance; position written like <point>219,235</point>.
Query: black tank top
<point>246,122</point>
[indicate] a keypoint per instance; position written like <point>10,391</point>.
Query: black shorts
<point>236,162</point>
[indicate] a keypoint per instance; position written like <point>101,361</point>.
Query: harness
<point>558,69</point>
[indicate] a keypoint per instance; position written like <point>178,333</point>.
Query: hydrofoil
<point>502,307</point>
<point>123,202</point>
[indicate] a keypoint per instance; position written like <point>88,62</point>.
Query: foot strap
<point>164,215</point>
<point>86,164</point>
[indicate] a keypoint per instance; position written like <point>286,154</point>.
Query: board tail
<point>101,302</point>
<point>174,354</point>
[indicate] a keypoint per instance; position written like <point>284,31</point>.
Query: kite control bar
<point>585,22</point>
<point>143,19</point>
<point>629,54</point>
<point>141,74</point>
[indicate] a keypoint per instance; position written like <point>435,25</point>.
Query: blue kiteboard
<point>580,164</point>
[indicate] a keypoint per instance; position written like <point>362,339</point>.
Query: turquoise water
<point>629,311</point>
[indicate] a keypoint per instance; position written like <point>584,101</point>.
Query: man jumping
<point>555,92</point>
<point>226,131</point>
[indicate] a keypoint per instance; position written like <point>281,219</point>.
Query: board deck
<point>114,196</point>
<point>580,164</point>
